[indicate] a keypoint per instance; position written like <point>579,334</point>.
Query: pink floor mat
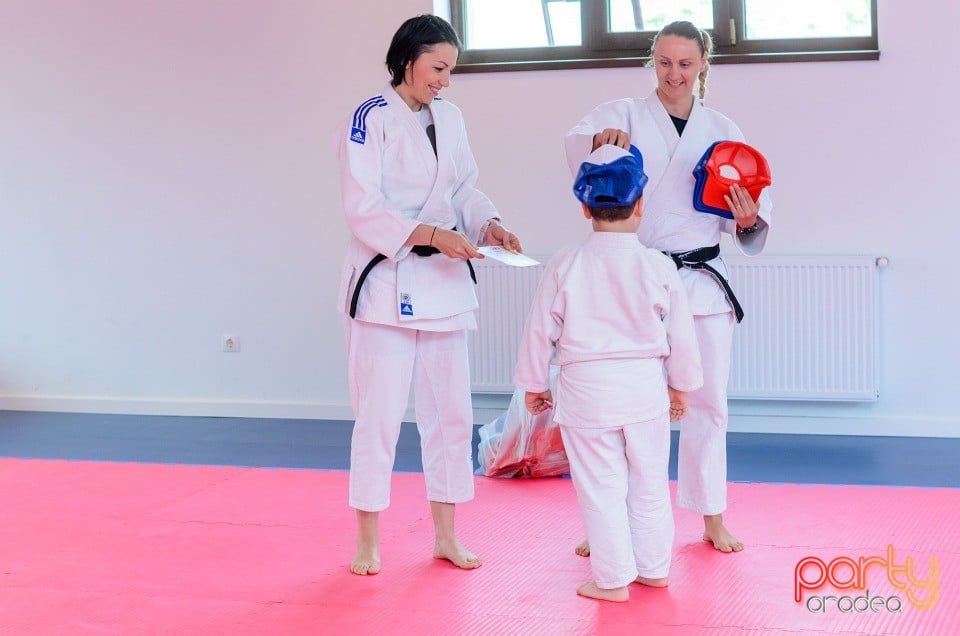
<point>104,548</point>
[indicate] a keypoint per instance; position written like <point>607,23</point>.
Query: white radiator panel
<point>810,330</point>
<point>505,294</point>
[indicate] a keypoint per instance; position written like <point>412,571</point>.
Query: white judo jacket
<point>617,316</point>
<point>670,222</point>
<point>391,181</point>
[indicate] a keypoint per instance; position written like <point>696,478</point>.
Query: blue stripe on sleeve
<point>358,132</point>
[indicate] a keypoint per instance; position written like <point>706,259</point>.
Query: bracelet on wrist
<point>432,234</point>
<point>485,229</point>
<point>748,230</point>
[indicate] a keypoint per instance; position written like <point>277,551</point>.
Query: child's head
<point>610,183</point>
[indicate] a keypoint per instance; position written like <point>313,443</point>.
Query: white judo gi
<point>617,316</point>
<point>412,312</point>
<point>671,224</point>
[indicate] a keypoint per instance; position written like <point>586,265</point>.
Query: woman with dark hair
<point>415,218</point>
<point>673,130</point>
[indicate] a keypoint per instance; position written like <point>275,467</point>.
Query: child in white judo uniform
<point>614,316</point>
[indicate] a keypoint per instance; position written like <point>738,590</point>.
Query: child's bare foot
<point>367,559</point>
<point>454,552</point>
<point>583,549</point>
<point>617,594</point>
<point>715,532</point>
<point>642,580</point>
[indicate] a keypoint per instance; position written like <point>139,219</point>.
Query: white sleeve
<point>753,243</point>
<point>578,142</point>
<point>540,334</point>
<point>473,206</point>
<point>381,228</point>
<point>683,364</point>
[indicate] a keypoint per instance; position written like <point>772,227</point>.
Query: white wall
<point>167,176</point>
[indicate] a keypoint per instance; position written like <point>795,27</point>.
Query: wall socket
<point>231,343</point>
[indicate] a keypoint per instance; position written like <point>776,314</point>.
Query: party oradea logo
<point>814,579</point>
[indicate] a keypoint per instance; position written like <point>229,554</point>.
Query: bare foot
<point>367,559</point>
<point>617,594</point>
<point>583,549</point>
<point>715,532</point>
<point>447,546</point>
<point>454,552</point>
<point>642,580</point>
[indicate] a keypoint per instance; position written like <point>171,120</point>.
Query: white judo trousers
<point>620,476</point>
<point>702,456</point>
<point>382,361</point>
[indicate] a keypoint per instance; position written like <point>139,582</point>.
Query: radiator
<point>505,295</point>
<point>810,330</point>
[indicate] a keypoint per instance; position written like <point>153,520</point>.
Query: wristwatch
<point>747,230</point>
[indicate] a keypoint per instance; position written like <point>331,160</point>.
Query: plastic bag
<point>518,444</point>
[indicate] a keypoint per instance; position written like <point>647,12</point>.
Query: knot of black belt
<point>419,250</point>
<point>697,259</point>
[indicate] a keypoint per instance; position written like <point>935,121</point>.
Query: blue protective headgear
<point>610,177</point>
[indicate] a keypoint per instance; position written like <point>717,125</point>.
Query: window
<point>510,35</point>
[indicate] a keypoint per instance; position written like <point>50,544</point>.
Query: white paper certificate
<point>498,253</point>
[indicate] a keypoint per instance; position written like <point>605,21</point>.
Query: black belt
<point>419,250</point>
<point>697,259</point>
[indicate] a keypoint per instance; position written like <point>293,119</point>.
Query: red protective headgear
<point>723,164</point>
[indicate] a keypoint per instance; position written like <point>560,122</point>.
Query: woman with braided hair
<point>673,129</point>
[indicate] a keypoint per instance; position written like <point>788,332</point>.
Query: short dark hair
<point>415,36</point>
<point>618,213</point>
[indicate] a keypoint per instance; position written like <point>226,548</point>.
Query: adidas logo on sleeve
<point>358,132</point>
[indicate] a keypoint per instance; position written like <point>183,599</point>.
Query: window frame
<point>601,49</point>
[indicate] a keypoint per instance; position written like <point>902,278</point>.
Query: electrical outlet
<point>231,343</point>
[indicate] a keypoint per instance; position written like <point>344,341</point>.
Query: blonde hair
<point>690,31</point>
